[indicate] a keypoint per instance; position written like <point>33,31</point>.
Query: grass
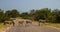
<point>57,25</point>
<point>35,23</point>
<point>3,27</point>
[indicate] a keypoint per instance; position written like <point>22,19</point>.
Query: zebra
<point>28,21</point>
<point>21,22</point>
<point>41,21</point>
<point>9,22</point>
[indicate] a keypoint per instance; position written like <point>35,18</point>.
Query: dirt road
<point>31,28</point>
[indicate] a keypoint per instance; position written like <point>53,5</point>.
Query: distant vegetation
<point>8,14</point>
<point>45,14</point>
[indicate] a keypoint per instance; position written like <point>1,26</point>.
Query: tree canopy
<point>45,14</point>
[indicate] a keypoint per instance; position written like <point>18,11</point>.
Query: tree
<point>14,13</point>
<point>24,15</point>
<point>8,13</point>
<point>32,14</point>
<point>1,15</point>
<point>42,14</point>
<point>57,14</point>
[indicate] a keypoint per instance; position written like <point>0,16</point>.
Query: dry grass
<point>35,23</point>
<point>3,27</point>
<point>57,25</point>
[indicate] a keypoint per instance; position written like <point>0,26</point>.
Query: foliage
<point>45,14</point>
<point>25,15</point>
<point>8,14</point>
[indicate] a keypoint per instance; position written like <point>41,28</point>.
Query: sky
<point>27,5</point>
